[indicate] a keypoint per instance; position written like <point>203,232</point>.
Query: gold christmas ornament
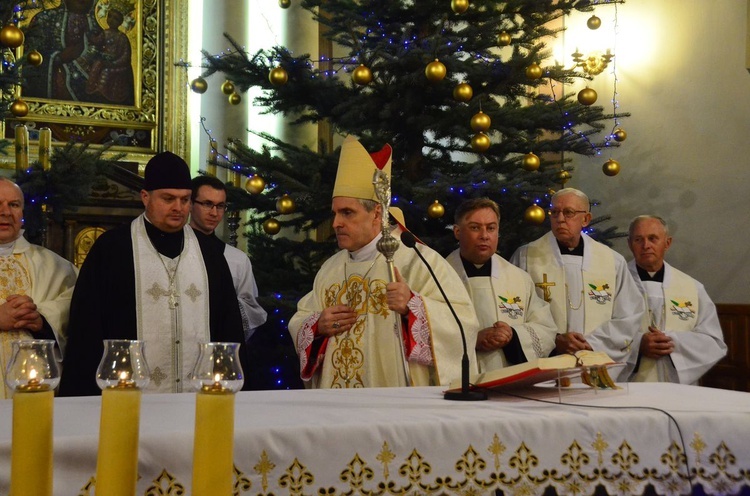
<point>594,22</point>
<point>271,226</point>
<point>227,87</point>
<point>504,39</point>
<point>278,76</point>
<point>34,58</point>
<point>19,108</point>
<point>11,36</point>
<point>199,85</point>
<point>463,92</point>
<point>459,6</point>
<point>235,99</point>
<point>611,168</point>
<point>284,4</point>
<point>480,143</point>
<point>534,215</point>
<point>435,71</point>
<point>255,184</point>
<point>480,122</point>
<point>587,96</point>
<point>619,135</point>
<point>534,71</point>
<point>435,210</point>
<point>362,75</point>
<point>562,177</point>
<point>530,162</point>
<point>285,205</point>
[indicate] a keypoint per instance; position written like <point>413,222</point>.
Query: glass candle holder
<point>218,368</point>
<point>32,366</point>
<point>123,365</point>
<point>32,373</point>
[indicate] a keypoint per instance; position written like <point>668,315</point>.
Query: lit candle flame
<point>32,374</point>
<point>123,376</point>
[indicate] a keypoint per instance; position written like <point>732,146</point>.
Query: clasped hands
<point>340,318</point>
<point>571,342</point>
<point>20,312</point>
<point>656,344</point>
<point>495,337</point>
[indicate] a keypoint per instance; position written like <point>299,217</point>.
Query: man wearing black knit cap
<point>152,280</point>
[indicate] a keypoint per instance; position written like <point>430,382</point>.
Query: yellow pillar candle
<point>117,460</point>
<point>213,448</point>
<point>45,147</point>
<point>22,149</point>
<point>31,448</point>
<point>213,154</point>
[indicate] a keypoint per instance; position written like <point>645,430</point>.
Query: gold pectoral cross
<point>545,287</point>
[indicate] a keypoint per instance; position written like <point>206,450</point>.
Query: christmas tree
<point>464,92</point>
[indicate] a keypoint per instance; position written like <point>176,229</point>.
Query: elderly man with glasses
<point>594,300</point>
<point>209,202</point>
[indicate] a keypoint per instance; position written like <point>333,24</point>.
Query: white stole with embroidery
<point>171,334</point>
<point>14,279</point>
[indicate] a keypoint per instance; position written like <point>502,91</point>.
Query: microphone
<point>410,241</point>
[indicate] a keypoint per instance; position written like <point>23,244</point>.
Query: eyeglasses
<point>208,206</point>
<point>568,213</point>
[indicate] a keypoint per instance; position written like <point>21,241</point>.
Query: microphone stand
<point>465,394</point>
<point>387,245</point>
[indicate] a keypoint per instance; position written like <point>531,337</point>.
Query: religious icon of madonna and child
<point>86,51</point>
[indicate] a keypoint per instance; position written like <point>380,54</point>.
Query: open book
<point>590,364</point>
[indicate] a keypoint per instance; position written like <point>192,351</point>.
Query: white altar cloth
<point>412,441</point>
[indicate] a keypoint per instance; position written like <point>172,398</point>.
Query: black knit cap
<point>166,170</point>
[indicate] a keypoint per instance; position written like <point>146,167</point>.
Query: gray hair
<point>369,205</point>
<point>575,192</point>
<point>634,223</point>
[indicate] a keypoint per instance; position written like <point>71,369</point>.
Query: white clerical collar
<point>367,252</point>
<point>6,249</point>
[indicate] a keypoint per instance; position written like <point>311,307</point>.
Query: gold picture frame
<point>78,96</point>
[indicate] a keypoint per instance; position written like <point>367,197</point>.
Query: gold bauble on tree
<point>435,210</point>
<point>459,6</point>
<point>34,58</point>
<point>480,122</point>
<point>362,75</point>
<point>594,22</point>
<point>480,143</point>
<point>284,4</point>
<point>435,71</point>
<point>19,108</point>
<point>534,215</point>
<point>285,205</point>
<point>619,135</point>
<point>11,36</point>
<point>611,168</point>
<point>504,39</point>
<point>278,76</point>
<point>235,99</point>
<point>227,87</point>
<point>271,226</point>
<point>199,85</point>
<point>255,184</point>
<point>562,177</point>
<point>587,96</point>
<point>463,92</point>
<point>530,162</point>
<point>534,71</point>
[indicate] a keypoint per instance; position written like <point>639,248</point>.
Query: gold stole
<point>598,274</point>
<point>14,279</point>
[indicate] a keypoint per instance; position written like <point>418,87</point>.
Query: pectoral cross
<point>173,297</point>
<point>545,287</point>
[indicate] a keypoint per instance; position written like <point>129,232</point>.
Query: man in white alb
<point>516,324</point>
<point>594,299</point>
<point>682,336</point>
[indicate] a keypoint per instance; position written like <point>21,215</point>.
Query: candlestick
<point>45,147</point>
<point>32,374</point>
<point>218,375</point>
<point>121,373</point>
<point>22,149</point>
<point>213,154</point>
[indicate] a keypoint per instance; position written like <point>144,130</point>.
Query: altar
<point>412,441</point>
